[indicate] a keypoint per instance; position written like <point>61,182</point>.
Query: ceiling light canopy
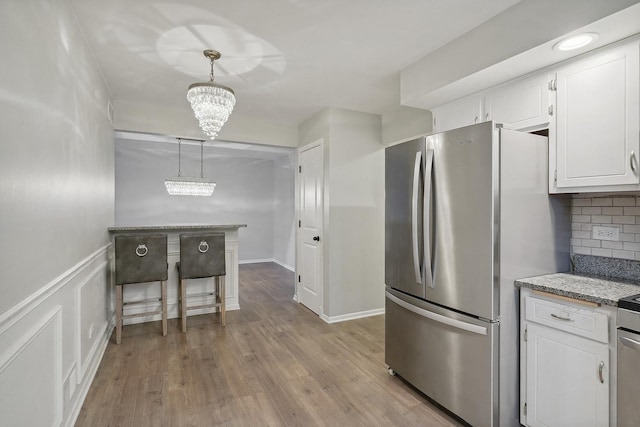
<point>187,185</point>
<point>576,42</point>
<point>212,103</point>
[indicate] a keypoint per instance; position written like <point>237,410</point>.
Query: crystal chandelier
<point>212,103</point>
<point>187,185</point>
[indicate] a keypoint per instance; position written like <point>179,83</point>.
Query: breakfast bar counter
<point>144,291</point>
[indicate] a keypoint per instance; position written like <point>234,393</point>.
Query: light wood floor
<point>275,364</point>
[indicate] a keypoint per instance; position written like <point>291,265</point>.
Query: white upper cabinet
<point>457,114</point>
<point>595,140</point>
<point>522,105</point>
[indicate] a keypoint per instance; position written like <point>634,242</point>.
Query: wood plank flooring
<point>274,364</point>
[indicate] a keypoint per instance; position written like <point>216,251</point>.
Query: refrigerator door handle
<point>414,216</point>
<point>426,212</point>
<point>458,324</point>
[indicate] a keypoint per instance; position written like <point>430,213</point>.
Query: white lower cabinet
<point>565,365</point>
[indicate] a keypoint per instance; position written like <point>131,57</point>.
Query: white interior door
<point>310,227</point>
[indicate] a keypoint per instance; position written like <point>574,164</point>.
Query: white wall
<point>179,120</point>
<point>56,187</point>
<point>354,210</point>
<point>284,211</point>
<point>245,192</point>
<point>405,123</point>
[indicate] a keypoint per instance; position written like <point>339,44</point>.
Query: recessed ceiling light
<point>576,42</point>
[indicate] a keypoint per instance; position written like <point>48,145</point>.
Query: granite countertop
<point>176,227</point>
<point>583,287</point>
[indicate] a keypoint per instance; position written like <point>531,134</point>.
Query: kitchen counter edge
<point>176,227</point>
<point>599,290</point>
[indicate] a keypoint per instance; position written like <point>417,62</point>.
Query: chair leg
<point>183,305</point>
<point>164,307</point>
<point>221,291</point>
<point>118,313</point>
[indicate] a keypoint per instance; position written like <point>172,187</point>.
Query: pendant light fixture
<point>211,103</point>
<point>190,186</point>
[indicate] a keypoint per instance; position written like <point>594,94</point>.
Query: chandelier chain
<point>179,154</point>
<point>211,74</point>
<point>201,161</point>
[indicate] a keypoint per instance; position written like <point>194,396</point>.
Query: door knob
<point>316,238</point>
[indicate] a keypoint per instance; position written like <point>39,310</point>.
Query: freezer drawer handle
<point>629,343</point>
<point>438,317</point>
<point>414,217</point>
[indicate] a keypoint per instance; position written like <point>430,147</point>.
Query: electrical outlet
<point>91,329</point>
<point>606,233</point>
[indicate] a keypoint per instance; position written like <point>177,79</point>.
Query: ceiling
<point>285,59</point>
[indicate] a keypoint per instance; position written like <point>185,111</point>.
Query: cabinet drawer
<point>578,321</point>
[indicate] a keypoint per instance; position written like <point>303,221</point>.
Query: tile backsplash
<point>615,211</point>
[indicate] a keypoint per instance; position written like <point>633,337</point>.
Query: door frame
<point>298,266</point>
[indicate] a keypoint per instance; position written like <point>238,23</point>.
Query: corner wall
<point>353,249</point>
<point>56,187</point>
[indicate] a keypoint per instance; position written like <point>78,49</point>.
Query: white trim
<point>352,316</point>
<point>256,261</point>
<point>282,264</point>
<point>82,368</point>
<point>10,317</point>
<point>54,315</point>
<point>86,384</point>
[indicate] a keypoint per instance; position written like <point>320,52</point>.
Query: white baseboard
<point>351,316</point>
<point>257,261</point>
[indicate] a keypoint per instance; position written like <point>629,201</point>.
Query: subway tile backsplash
<point>615,211</point>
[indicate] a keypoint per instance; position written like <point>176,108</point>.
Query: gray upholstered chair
<point>141,259</point>
<point>201,255</point>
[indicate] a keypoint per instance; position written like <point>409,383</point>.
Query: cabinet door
<point>567,379</point>
<point>597,131</point>
<point>457,114</point>
<point>521,105</point>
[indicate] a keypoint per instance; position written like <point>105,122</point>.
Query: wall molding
<point>78,302</point>
<point>92,368</point>
<point>351,316</point>
<point>257,261</point>
<point>13,315</point>
<point>52,316</point>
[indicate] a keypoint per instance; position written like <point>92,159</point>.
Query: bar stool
<point>141,259</point>
<point>201,255</point>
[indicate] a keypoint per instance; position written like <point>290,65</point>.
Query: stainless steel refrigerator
<point>467,212</point>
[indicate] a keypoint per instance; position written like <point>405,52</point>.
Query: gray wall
<point>284,211</point>
<point>57,192</point>
<point>353,251</point>
<point>252,187</point>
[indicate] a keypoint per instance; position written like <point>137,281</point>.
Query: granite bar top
<point>583,287</point>
<point>185,227</point>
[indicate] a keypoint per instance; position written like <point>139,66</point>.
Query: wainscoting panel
<point>31,375</point>
<point>51,345</point>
